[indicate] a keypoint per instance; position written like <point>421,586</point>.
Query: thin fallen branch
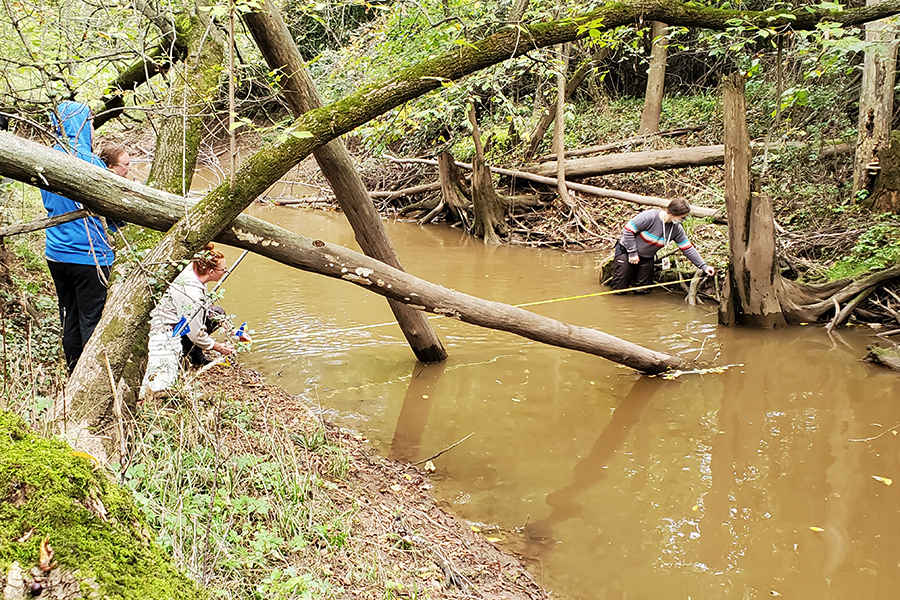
<point>875,437</point>
<point>43,223</point>
<point>447,449</point>
<point>410,191</point>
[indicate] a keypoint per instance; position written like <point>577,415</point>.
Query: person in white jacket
<point>184,311</point>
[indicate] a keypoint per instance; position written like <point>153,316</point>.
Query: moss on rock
<point>97,534</point>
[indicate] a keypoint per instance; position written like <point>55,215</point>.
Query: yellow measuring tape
<point>385,324</point>
<point>622,291</point>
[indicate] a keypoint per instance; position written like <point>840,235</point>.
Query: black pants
<point>626,275</point>
<point>81,292</point>
<point>215,315</point>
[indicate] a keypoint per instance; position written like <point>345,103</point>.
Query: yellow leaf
<point>884,480</point>
<point>475,528</point>
<point>492,539</point>
<point>814,528</point>
<point>94,462</point>
<point>696,507</point>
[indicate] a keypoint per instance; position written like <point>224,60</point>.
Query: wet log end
<point>887,357</point>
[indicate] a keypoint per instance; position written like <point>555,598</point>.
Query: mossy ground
<point>92,524</point>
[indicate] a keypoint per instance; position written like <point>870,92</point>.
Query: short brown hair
<point>111,154</point>
<point>678,208</point>
<point>207,259</point>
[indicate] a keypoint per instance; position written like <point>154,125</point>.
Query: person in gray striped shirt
<point>644,236</point>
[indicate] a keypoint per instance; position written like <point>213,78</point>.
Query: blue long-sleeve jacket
<point>83,241</point>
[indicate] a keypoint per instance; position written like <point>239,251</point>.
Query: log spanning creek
<point>771,476</point>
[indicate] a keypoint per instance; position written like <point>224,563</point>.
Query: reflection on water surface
<point>767,479</point>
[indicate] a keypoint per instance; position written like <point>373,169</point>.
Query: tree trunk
<point>656,78</point>
<point>749,294</point>
<point>489,218</point>
<point>549,115</point>
<point>517,10</point>
<point>178,137</point>
<point>885,195</point>
<point>275,42</point>
<point>559,129</point>
<point>876,107</point>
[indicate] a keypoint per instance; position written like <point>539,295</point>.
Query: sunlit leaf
<point>814,528</point>
<point>884,480</point>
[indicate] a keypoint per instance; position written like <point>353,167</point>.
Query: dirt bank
<point>395,522</point>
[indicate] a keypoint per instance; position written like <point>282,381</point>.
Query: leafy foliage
<point>878,247</point>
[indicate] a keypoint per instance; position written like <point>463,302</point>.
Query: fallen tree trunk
<point>116,197</point>
<point>696,211</point>
<point>659,160</point>
<point>637,139</point>
<point>630,162</point>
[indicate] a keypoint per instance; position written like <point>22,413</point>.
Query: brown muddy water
<point>770,478</point>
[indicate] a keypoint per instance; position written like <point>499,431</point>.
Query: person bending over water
<point>645,235</point>
<point>183,320</point>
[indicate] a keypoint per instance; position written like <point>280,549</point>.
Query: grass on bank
<point>234,502</point>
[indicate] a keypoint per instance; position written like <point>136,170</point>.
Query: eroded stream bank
<point>767,477</point>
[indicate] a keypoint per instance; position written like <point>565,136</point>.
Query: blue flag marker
<point>181,327</point>
<point>240,330</point>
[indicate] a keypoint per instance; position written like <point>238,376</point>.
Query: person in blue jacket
<point>78,253</point>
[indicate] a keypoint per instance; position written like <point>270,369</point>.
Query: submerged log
<point>116,197</point>
<point>886,357</point>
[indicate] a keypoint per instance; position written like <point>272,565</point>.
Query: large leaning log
<point>278,48</point>
<point>118,198</point>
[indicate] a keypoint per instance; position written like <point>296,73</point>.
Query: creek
<point>768,477</point>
